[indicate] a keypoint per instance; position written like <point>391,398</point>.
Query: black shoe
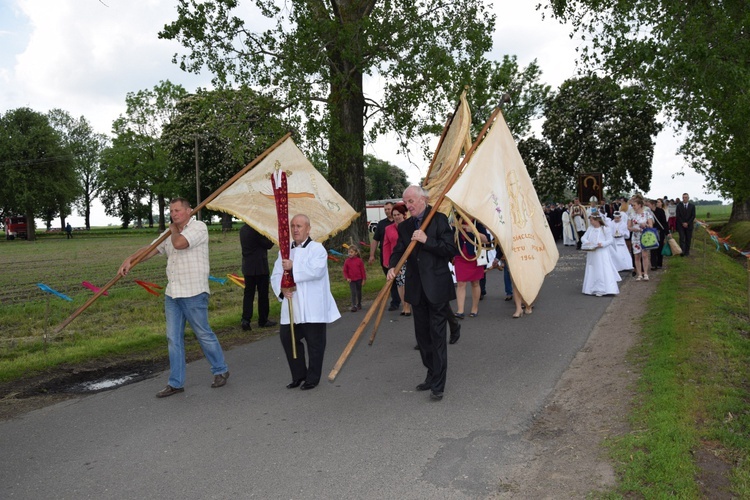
<point>424,386</point>
<point>246,326</point>
<point>436,395</point>
<point>455,335</point>
<point>393,308</point>
<point>416,347</point>
<point>308,385</point>
<point>267,324</point>
<point>295,384</point>
<point>220,380</point>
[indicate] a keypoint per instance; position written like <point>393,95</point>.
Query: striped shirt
<point>187,269</point>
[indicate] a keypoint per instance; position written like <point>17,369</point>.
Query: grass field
<point>129,319</point>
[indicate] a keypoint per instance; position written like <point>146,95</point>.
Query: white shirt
<point>187,269</point>
<point>312,302</point>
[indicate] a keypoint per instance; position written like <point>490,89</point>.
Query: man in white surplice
<point>313,306</point>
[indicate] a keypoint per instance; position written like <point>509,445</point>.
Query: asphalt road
<point>369,434</point>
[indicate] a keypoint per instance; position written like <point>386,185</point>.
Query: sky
<point>84,56</point>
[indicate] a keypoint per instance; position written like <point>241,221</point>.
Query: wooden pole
<point>166,234</point>
<point>428,218</point>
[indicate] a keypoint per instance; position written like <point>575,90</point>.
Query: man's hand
<point>419,236</point>
<point>391,273</point>
<point>287,264</point>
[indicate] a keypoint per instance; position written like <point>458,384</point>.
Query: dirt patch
<point>589,404</point>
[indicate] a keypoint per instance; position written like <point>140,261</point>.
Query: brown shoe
<point>168,391</point>
<point>220,380</point>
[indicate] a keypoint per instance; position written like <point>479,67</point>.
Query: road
<point>369,434</point>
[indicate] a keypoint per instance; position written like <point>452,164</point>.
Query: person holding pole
<point>429,285</point>
<point>186,296</point>
<point>312,304</point>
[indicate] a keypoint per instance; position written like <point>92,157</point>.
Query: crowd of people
<point>430,259</point>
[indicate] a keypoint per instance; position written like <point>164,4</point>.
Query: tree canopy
<point>694,58</point>
<point>383,180</point>
<point>319,57</point>
<point>37,177</point>
<point>594,125</point>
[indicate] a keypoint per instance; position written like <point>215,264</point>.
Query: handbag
<point>482,258</point>
<point>649,238</point>
<point>674,246</point>
<point>666,251</point>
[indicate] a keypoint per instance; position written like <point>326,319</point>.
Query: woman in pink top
<point>389,242</point>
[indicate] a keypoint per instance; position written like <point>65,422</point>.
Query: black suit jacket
<point>255,248</point>
<point>684,215</point>
<point>427,266</point>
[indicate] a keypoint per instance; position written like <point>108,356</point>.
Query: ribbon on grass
<point>93,288</point>
<point>331,257</point>
<point>334,252</point>
<point>149,287</point>
<point>218,280</point>
<point>240,282</point>
<point>54,292</point>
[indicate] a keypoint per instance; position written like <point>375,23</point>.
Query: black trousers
<point>430,329</point>
<point>314,335</point>
<point>686,235</point>
<point>253,283</point>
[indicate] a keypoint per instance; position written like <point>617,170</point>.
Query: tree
<point>593,125</point>
<point>229,127</point>
<point>146,115</point>
<point>694,58</point>
<point>36,171</point>
<point>527,95</point>
<point>383,180</point>
<point>86,147</point>
<point>318,54</point>
<point>123,181</point>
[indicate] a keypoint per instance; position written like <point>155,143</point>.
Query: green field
<point>129,319</point>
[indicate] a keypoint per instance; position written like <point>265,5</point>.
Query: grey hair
<point>419,190</point>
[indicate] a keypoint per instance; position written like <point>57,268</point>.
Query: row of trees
<point>311,65</point>
<point>168,137</point>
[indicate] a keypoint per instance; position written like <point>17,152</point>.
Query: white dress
<point>600,277</point>
<point>570,237</point>
<point>619,249</point>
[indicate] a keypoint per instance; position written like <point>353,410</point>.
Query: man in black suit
<point>685,218</point>
<point>429,285</point>
<point>255,270</point>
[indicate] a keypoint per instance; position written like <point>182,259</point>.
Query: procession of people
<point>446,263</point>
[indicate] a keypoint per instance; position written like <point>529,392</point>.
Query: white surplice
<point>570,237</point>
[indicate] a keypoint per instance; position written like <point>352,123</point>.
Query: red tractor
<point>15,227</point>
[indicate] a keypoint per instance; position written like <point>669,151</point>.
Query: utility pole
<point>197,180</point>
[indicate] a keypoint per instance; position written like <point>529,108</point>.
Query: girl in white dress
<point>620,254</point>
<point>600,277</point>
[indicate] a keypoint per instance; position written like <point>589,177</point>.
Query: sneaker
<point>645,277</point>
<point>220,380</point>
<point>168,391</point>
<point>638,278</point>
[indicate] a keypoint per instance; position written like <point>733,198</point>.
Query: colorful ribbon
<point>149,287</point>
<point>93,288</point>
<point>54,292</point>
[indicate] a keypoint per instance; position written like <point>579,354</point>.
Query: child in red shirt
<point>354,273</point>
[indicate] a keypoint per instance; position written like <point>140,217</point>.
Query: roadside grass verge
<point>127,324</point>
<point>693,396</point>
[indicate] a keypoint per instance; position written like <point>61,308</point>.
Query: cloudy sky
<point>85,55</point>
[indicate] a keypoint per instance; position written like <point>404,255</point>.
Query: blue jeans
<point>508,282</point>
<point>193,310</point>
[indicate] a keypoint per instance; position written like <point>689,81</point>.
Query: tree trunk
<point>162,207</point>
<point>30,229</point>
<point>740,211</point>
<point>87,214</point>
<point>346,171</point>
